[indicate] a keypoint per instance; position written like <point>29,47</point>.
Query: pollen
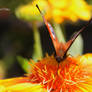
<point>67,76</point>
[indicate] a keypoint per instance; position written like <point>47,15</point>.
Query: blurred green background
<point>17,39</point>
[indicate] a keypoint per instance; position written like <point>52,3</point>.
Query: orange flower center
<point>58,77</point>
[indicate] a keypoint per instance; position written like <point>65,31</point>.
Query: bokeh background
<point>17,39</point>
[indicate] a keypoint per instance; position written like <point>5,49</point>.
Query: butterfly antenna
<point>50,29</point>
<point>39,9</point>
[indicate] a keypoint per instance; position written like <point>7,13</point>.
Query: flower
<point>47,75</point>
<point>68,10</point>
<point>21,84</point>
<point>57,10</point>
<point>29,12</point>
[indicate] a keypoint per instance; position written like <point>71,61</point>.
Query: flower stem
<point>37,53</point>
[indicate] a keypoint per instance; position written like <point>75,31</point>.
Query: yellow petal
<point>23,87</point>
<point>26,87</point>
<point>13,81</point>
<point>21,84</point>
<point>29,12</point>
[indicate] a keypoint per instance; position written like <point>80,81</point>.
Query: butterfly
<point>61,48</point>
<point>59,73</point>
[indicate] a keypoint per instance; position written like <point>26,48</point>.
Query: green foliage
<point>89,1</point>
<point>24,63</point>
<point>77,47</point>
<point>37,52</point>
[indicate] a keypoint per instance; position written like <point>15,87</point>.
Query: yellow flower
<point>68,10</point>
<point>29,12</point>
<point>47,75</point>
<point>57,10</point>
<point>21,84</point>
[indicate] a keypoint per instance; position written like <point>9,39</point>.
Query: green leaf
<point>77,47</point>
<point>24,63</point>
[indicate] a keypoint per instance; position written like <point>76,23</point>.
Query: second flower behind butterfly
<point>56,10</point>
